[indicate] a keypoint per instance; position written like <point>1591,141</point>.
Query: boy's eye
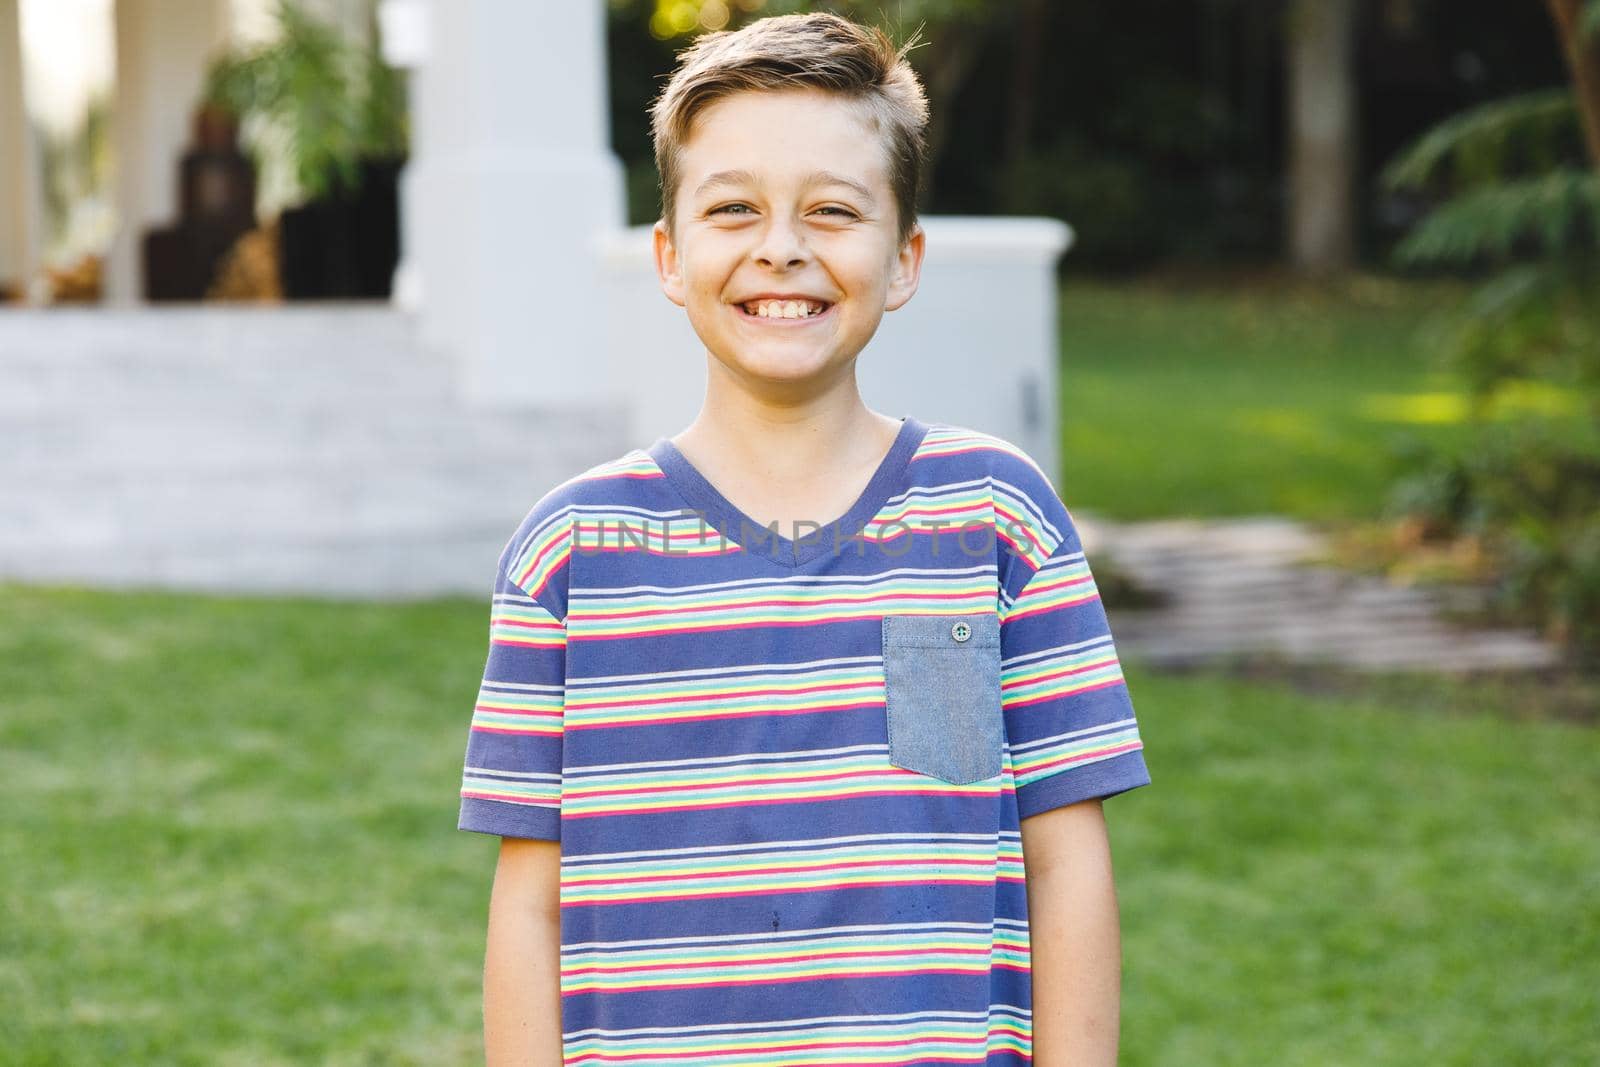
<point>845,212</point>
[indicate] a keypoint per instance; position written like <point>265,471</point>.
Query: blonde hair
<point>819,50</point>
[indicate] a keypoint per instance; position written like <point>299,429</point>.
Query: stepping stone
<point>1252,586</point>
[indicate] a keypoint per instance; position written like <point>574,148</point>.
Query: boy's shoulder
<point>1032,519</point>
<point>535,556</point>
<point>970,450</point>
<point>607,483</point>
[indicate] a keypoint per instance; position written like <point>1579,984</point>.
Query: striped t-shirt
<point>694,706</point>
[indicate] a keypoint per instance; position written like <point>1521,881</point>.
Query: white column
<point>163,50</point>
<point>511,188</point>
<point>20,210</point>
<point>403,37</point>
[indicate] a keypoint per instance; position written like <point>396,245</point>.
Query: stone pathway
<point>1242,587</point>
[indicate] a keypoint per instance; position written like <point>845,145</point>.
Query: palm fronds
<point>1554,215</point>
<point>1478,145</point>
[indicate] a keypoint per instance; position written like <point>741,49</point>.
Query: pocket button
<point>960,631</point>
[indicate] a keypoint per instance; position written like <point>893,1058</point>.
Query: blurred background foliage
<point>325,100</point>
<point>1518,183</point>
<point>1156,128</point>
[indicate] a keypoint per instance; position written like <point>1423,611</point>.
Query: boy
<point>774,709</point>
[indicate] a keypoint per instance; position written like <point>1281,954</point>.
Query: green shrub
<point>334,101</point>
<point>1523,205</point>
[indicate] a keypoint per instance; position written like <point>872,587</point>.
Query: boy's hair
<point>819,50</point>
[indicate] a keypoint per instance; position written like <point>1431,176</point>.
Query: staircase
<point>298,450</point>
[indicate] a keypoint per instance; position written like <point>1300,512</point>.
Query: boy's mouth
<point>778,312</point>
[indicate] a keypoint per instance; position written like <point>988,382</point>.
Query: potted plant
<point>216,206</point>
<point>339,113</point>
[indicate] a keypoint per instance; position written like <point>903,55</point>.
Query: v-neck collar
<point>728,521</point>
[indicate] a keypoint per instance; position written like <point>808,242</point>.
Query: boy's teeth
<point>784,309</point>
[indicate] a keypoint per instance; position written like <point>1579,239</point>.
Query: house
<point>389,448</point>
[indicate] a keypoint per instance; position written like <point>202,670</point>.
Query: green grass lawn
<point>230,840</point>
<point>1262,396</point>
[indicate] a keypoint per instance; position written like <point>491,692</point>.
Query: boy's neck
<point>788,467</point>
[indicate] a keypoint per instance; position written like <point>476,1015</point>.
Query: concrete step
<point>94,508</point>
<point>365,336</point>
<point>56,444</point>
<point>458,562</point>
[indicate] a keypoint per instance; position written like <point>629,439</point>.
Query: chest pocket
<point>941,676</point>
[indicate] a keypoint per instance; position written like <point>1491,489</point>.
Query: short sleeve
<point>1068,715</point>
<point>511,781</point>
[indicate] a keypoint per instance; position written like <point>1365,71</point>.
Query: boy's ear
<point>907,269</point>
<point>667,266</point>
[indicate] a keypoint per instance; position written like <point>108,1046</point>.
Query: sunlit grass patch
<point>1244,399</point>
<point>1515,399</point>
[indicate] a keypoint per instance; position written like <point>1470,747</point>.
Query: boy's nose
<point>780,245</point>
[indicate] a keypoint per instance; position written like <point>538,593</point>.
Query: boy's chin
<point>760,363</point>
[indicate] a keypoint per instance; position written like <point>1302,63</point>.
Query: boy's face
<point>786,193</point>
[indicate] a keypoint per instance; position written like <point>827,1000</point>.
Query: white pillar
<point>20,208</point>
<point>403,37</point>
<point>511,188</point>
<point>163,50</point>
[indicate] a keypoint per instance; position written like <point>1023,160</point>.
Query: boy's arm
<point>1076,943</point>
<point>522,963</point>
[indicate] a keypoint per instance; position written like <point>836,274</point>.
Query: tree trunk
<point>1029,40</point>
<point>1583,59</point>
<point>1320,38</point>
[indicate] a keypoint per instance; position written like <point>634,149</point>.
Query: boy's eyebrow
<point>819,177</point>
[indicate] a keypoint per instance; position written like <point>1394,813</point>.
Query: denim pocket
<point>941,678</point>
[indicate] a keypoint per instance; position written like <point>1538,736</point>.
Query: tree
<point>1523,178</point>
<point>1578,26</point>
<point>1320,38</point>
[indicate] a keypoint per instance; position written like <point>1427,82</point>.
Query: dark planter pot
<point>216,198</point>
<point>346,245</point>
